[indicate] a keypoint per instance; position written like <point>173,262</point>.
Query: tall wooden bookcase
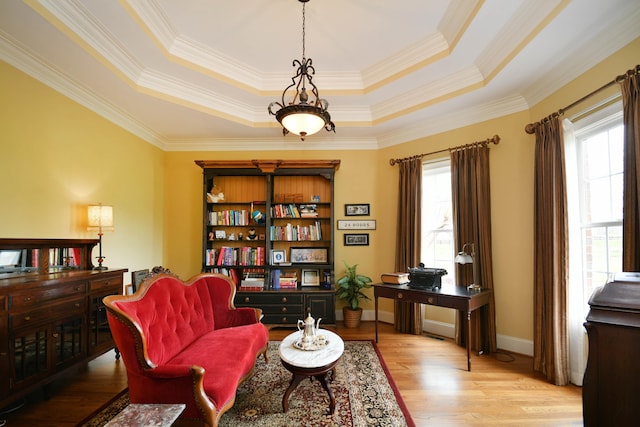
<point>274,221</point>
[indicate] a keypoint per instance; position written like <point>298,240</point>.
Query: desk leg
<point>468,339</point>
<point>376,304</point>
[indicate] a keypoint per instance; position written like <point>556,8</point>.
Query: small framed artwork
<point>310,255</point>
<point>356,239</point>
<point>361,209</point>
<point>310,277</point>
<point>278,256</point>
<point>344,224</point>
<point>221,234</point>
<point>128,289</point>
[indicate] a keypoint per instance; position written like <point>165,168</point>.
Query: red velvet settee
<point>186,343</point>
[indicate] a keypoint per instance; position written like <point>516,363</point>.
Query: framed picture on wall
<point>356,239</point>
<point>361,209</point>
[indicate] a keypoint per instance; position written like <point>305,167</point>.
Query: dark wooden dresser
<point>51,314</point>
<point>611,386</point>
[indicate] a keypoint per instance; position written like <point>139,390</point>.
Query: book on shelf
<point>309,211</point>
<point>253,280</point>
<point>288,280</point>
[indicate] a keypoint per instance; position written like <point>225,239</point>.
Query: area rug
<point>365,395</point>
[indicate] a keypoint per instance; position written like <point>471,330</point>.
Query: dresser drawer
<point>33,297</point>
<point>59,310</point>
<point>106,283</point>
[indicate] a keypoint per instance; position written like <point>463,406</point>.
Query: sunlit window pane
<point>437,248</point>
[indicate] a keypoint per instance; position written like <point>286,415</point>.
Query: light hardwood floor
<point>430,373</point>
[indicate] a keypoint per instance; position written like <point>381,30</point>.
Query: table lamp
<point>465,257</point>
<point>100,219</point>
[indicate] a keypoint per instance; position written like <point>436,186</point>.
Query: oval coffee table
<point>311,363</point>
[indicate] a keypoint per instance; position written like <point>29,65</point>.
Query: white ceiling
<point>199,74</point>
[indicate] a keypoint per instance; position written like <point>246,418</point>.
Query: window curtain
<point>408,317</point>
<point>550,341</point>
<point>471,203</point>
<point>631,186</point>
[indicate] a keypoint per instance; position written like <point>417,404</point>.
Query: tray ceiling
<point>199,74</point>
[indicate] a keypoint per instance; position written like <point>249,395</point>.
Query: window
<point>599,160</point>
<point>437,245</point>
<point>594,156</point>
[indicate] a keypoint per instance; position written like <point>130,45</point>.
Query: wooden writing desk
<point>457,297</point>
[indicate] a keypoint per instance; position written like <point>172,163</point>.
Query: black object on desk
<point>449,296</point>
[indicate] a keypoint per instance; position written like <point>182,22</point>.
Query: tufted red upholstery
<point>168,326</point>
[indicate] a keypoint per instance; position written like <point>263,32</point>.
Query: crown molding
<point>456,120</point>
<point>19,57</point>
<point>317,143</point>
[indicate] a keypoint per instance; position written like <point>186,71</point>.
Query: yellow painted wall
<point>56,157</point>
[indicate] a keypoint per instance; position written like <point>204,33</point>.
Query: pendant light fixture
<point>301,116</point>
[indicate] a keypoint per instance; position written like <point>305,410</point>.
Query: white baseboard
<point>504,342</point>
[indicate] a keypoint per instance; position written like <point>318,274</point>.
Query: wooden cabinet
<point>268,220</point>
<point>51,315</point>
<point>286,307</point>
<point>611,385</point>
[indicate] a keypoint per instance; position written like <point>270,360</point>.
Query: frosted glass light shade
<point>303,123</point>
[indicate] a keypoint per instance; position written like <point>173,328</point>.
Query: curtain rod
<point>495,139</point>
<point>531,127</point>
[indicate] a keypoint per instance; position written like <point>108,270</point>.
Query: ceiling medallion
<point>304,118</point>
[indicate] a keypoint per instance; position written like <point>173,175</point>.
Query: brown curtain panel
<point>550,335</point>
<point>471,200</point>
<point>631,186</point>
<point>408,316</point>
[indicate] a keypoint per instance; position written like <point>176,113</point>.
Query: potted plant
<point>349,288</point>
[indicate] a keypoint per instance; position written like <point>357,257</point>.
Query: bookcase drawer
<point>256,299</point>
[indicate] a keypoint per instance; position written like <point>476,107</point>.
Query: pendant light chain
<point>303,31</point>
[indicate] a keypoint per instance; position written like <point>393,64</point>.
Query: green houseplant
<point>349,288</point>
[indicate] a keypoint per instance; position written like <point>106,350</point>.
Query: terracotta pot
<point>351,317</point>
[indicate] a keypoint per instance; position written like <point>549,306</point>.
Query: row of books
<point>292,211</point>
<point>245,255</point>
<point>254,279</point>
<point>298,232</point>
<point>229,217</point>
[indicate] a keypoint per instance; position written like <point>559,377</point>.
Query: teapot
<point>308,327</point>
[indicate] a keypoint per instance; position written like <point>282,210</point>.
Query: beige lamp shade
<point>100,217</point>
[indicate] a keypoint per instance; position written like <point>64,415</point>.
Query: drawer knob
<point>284,309</point>
<point>27,299</point>
<point>78,288</point>
<point>55,335</point>
<point>246,299</point>
<point>27,318</point>
<point>77,304</point>
<point>284,320</point>
<point>430,300</point>
<point>400,296</point>
<point>284,299</point>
